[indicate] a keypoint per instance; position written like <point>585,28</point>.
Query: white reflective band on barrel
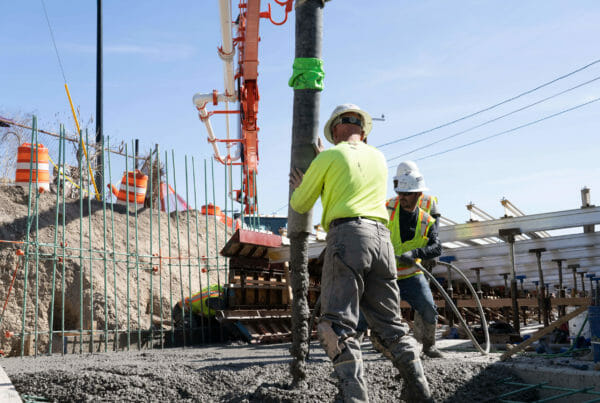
<point>139,190</point>
<point>42,166</point>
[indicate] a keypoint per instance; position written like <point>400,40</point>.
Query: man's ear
<point>362,137</point>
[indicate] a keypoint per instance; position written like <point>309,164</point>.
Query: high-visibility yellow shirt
<point>351,179</point>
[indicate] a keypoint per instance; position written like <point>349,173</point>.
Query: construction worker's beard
<point>408,204</point>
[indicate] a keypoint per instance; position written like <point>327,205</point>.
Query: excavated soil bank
<point>240,373</point>
<point>97,294</point>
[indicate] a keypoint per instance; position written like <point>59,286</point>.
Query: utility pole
<point>99,141</point>
<point>309,31</point>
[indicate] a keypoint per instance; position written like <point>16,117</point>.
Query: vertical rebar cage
<point>86,273</point>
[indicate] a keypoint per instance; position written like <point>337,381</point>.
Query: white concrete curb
<point>8,393</point>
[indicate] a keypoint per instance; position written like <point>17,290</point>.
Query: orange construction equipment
<point>34,166</point>
<point>136,181</point>
<point>211,209</point>
<point>245,93</point>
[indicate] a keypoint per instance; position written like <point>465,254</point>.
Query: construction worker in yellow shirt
<point>359,267</point>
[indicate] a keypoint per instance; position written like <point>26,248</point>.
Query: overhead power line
<point>495,119</point>
<point>280,208</point>
<point>62,70</point>
<point>511,130</point>
<point>492,106</point>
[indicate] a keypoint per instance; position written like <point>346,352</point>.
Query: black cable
<point>280,208</point>
<point>54,43</point>
<point>510,130</point>
<point>493,106</point>
<point>495,119</point>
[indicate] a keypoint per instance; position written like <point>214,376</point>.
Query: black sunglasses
<point>348,120</point>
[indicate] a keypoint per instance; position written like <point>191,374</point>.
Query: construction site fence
<point>84,278</point>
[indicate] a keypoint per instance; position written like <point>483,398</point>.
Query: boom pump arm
<point>246,94</point>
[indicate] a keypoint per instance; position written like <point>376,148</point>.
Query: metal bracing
<point>574,255</point>
<point>581,248</point>
<point>552,243</point>
<point>510,210</point>
<point>492,269</point>
<point>530,223</point>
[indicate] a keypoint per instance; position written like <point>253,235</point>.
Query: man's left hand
<point>406,259</point>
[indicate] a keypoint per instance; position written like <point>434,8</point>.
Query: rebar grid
<point>88,294</point>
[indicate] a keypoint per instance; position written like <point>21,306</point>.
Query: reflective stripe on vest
<point>426,202</point>
<point>392,209</point>
<point>424,223</point>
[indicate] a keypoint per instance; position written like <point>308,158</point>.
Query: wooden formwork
<point>260,297</point>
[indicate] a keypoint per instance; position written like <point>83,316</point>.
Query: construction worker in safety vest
<point>359,267</point>
<point>202,303</point>
<point>426,202</point>
<point>414,236</point>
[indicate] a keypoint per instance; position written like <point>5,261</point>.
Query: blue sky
<point>421,64</point>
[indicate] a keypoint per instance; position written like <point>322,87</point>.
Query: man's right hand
<point>296,178</point>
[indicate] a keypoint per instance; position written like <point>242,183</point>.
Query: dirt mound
<point>104,277</point>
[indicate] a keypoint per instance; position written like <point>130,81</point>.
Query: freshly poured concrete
<point>240,373</point>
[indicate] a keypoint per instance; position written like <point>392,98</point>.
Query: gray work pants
<point>359,275</point>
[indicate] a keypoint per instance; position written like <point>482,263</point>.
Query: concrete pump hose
<point>455,309</point>
<point>484,324</point>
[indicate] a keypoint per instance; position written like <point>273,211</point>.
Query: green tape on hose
<point>308,74</point>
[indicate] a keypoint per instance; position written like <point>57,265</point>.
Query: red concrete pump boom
<point>246,42</point>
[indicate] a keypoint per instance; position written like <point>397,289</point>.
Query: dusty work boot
<point>350,374</point>
<point>425,334</point>
<point>415,387</point>
<point>404,354</point>
<point>429,348</point>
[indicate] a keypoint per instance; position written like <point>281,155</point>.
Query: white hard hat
<point>410,182</point>
<point>346,108</point>
<point>405,167</point>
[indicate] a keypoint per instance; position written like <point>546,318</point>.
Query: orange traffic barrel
<point>211,209</point>
<point>33,166</point>
<point>136,181</point>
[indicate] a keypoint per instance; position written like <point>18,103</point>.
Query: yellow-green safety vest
<point>424,222</point>
<point>426,202</point>
<point>199,300</point>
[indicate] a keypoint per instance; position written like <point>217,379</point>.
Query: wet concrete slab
<point>8,393</point>
<point>240,373</point>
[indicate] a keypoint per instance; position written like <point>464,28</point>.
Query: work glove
<point>406,259</point>
<point>428,264</point>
